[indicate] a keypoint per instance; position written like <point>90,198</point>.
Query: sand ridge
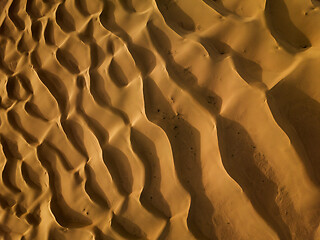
<point>159,119</point>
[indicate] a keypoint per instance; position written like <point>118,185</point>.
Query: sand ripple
<point>159,119</point>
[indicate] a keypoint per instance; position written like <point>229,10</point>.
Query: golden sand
<point>160,119</point>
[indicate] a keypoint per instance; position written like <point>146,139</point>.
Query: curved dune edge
<point>159,119</point>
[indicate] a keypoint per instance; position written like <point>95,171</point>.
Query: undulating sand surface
<point>160,119</point>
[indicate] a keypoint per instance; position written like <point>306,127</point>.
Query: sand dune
<point>159,119</point>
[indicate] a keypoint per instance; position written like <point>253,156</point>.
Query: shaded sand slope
<point>159,119</point>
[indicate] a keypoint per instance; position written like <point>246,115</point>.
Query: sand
<point>159,119</point>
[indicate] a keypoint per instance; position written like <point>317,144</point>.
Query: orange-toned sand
<point>160,119</point>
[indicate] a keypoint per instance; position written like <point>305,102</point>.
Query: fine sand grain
<point>159,119</point>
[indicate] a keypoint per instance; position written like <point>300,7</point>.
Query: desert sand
<point>159,119</point>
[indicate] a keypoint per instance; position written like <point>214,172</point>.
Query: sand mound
<point>159,119</point>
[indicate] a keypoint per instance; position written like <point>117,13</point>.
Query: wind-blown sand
<point>160,119</point>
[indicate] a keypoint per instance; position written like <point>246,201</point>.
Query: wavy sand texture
<point>159,119</point>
